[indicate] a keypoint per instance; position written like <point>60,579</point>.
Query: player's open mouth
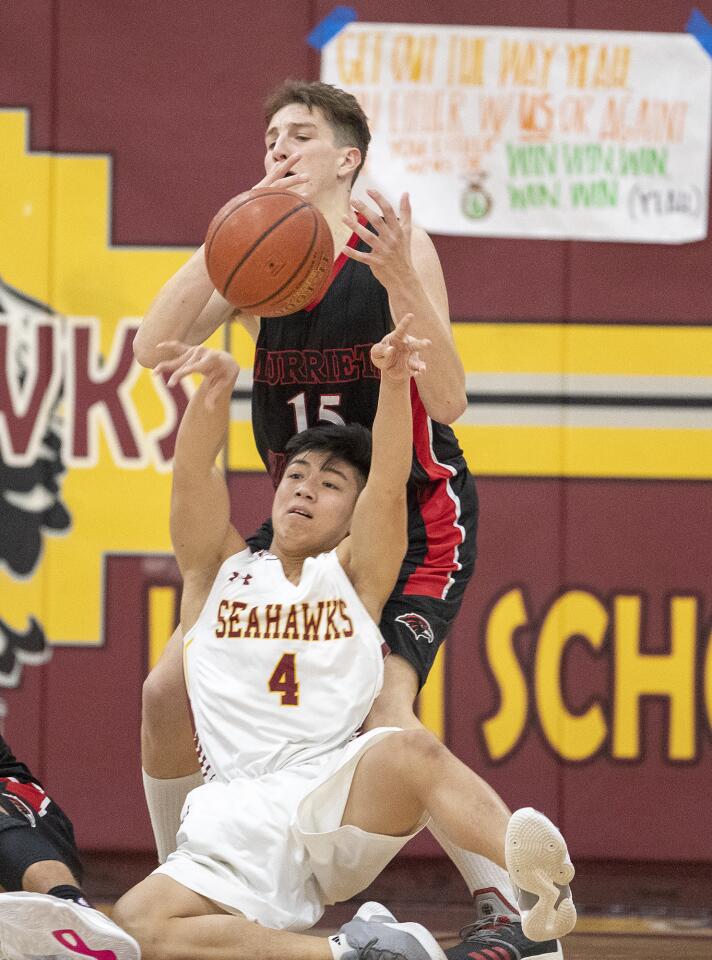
<point>295,511</point>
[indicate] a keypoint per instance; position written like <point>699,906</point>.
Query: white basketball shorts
<point>273,849</point>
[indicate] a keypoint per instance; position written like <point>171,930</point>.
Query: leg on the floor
<point>171,922</point>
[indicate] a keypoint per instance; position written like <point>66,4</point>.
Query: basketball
<point>269,252</point>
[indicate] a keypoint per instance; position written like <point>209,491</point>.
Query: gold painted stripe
<point>585,348</point>
<point>552,451</point>
<point>587,452</point>
<point>569,451</point>
<point>241,448</point>
<point>431,702</point>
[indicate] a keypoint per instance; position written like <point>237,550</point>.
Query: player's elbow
<point>144,352</point>
<point>457,407</point>
<point>447,408</point>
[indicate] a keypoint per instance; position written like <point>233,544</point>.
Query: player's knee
<point>419,749</point>
<point>134,916</point>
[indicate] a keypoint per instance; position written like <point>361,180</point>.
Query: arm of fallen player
<point>200,506</point>
<point>380,514</point>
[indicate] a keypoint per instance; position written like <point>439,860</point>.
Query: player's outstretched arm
<point>402,257</point>
<point>188,308</point>
<point>373,553</point>
<point>200,508</point>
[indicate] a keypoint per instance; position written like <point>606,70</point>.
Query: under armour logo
<point>246,577</point>
<point>418,626</point>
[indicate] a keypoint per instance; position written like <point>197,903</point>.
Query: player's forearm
<point>201,435</point>
<point>442,385</point>
<point>392,432</point>
<point>175,311</point>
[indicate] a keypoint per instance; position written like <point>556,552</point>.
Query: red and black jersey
<point>314,366</point>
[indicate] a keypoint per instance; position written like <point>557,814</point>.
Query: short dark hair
<point>341,109</point>
<point>350,442</point>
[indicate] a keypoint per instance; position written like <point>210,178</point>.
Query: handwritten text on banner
<point>534,133</point>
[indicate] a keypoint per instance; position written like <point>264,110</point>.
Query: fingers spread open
<point>356,255</point>
<point>374,218</point>
<point>401,327</point>
<point>366,235</point>
<point>405,211</point>
<point>388,214</point>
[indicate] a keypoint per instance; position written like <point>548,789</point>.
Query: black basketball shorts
<point>32,828</point>
<point>442,549</point>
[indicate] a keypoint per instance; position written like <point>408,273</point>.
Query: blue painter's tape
<point>700,28</point>
<point>332,24</point>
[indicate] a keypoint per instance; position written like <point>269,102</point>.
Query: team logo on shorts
<point>418,626</point>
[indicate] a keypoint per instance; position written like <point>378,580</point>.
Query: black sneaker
<point>501,938</point>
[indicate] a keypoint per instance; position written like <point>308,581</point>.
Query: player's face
<point>297,129</point>
<point>314,503</point>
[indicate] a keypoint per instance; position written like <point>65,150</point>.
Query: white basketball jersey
<point>279,672</point>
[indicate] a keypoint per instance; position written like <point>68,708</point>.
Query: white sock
<point>165,799</point>
<point>482,877</point>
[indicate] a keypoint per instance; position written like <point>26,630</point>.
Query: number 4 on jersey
<point>284,680</point>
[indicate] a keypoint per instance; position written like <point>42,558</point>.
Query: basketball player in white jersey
<point>316,140</point>
<point>282,658</point>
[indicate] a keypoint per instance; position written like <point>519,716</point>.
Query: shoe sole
<point>376,911</point>
<point>34,924</point>
<point>538,862</point>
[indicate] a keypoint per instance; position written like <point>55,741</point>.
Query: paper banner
<point>560,134</point>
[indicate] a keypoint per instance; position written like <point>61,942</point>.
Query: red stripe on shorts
<point>440,510</point>
<point>338,266</point>
<point>32,794</point>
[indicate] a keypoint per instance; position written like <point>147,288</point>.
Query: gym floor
<point>641,911</point>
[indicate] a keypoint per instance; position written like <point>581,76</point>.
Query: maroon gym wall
<point>172,90</point>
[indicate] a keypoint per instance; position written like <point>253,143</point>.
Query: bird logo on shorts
<point>418,626</point>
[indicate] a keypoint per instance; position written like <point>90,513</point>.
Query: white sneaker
<point>375,934</point>
<point>541,871</point>
<point>35,925</point>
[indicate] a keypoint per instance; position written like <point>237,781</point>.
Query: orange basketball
<point>269,252</point>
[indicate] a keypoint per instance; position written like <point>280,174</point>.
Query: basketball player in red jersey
<point>315,144</point>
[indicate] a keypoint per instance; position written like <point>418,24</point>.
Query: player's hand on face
<point>397,356</point>
<point>218,367</point>
<point>279,176</point>
<point>389,257</point>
